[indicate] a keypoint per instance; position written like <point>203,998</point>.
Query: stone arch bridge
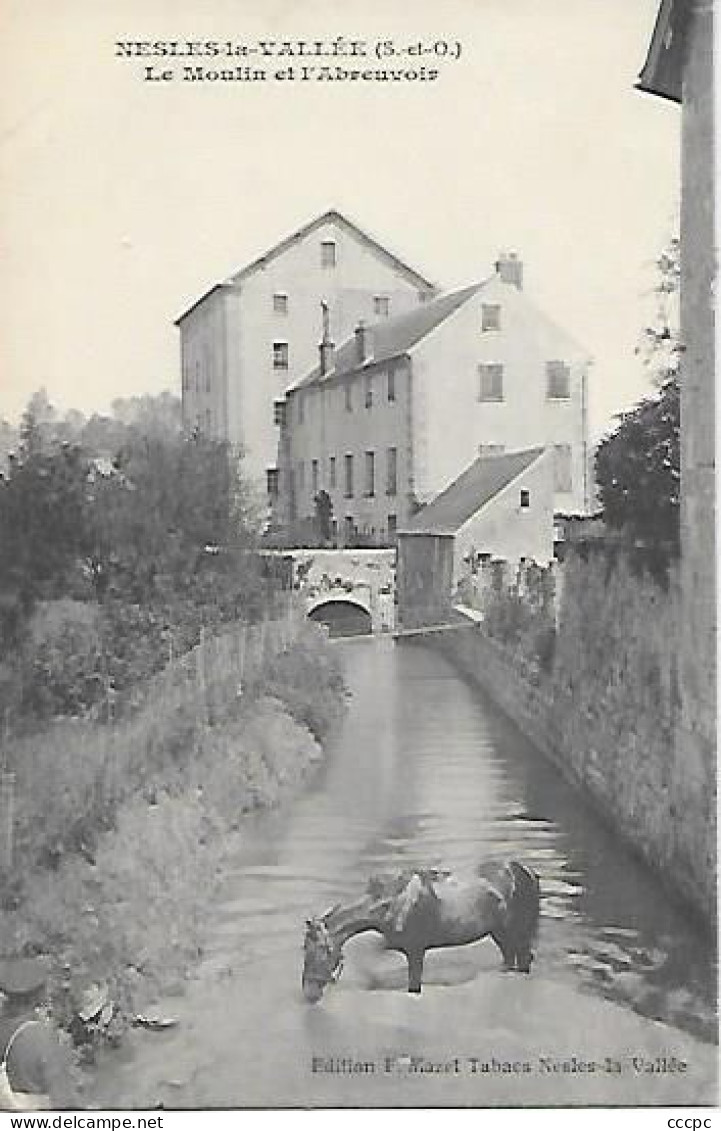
<point>364,579</point>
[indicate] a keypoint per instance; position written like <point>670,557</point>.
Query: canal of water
<point>424,770</point>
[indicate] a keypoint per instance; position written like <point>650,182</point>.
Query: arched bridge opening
<point>343,618</point>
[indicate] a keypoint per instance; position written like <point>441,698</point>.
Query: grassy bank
<point>121,830</point>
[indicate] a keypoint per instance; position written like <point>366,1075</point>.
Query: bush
<point>309,681</point>
<point>62,660</point>
<point>521,616</point>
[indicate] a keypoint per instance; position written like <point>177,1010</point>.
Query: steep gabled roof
<point>474,488</point>
<point>662,71</point>
<point>330,217</point>
<point>217,287</point>
<point>393,337</point>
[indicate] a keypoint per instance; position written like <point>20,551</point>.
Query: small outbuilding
<point>501,507</point>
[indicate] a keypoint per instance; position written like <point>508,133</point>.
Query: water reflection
<point>426,770</point>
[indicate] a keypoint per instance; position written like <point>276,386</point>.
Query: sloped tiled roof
<point>475,487</point>
<point>330,217</point>
<point>393,337</point>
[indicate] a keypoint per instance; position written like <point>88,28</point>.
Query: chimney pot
<point>326,347</point>
<point>327,357</point>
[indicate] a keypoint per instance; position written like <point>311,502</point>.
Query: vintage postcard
<point>357,555</point>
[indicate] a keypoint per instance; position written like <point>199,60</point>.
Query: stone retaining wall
<point>628,775</point>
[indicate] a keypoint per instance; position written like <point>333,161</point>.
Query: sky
<point>123,200</point>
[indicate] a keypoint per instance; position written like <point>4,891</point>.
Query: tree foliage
<point>638,472</point>
<point>154,530</point>
<point>638,464</point>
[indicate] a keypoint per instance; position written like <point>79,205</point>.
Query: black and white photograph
<point>357,557</point>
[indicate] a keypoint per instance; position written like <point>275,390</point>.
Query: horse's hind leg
<point>415,971</point>
<point>524,958</point>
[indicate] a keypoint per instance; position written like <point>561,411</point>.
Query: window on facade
<point>491,449</point>
<point>558,381</point>
<point>349,477</point>
<point>370,487</point>
<point>562,475</point>
<point>301,408</point>
<point>368,391</point>
<point>279,413</point>
<point>392,471</point>
<point>331,472</point>
<point>349,532</point>
<point>327,253</point>
<point>490,316</point>
<point>525,499</point>
<point>280,355</point>
<point>490,382</point>
<point>301,475</point>
<point>391,384</point>
<point>271,478</point>
<point>392,525</point>
<point>292,499</point>
<point>314,475</point>
<point>208,421</point>
<point>280,304</point>
<point>348,396</point>
<point>381,306</point>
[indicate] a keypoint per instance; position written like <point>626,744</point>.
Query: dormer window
<point>328,253</point>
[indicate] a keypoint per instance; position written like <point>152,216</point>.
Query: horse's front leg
<point>506,948</point>
<point>415,970</point>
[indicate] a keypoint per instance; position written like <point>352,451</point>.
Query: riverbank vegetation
<point>597,630</point>
<point>155,686</point>
<point>121,831</point>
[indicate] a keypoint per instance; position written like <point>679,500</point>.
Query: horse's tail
<point>524,909</point>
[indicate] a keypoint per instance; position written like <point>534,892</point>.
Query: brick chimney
<point>509,268</point>
<point>362,343</point>
<point>326,347</point>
